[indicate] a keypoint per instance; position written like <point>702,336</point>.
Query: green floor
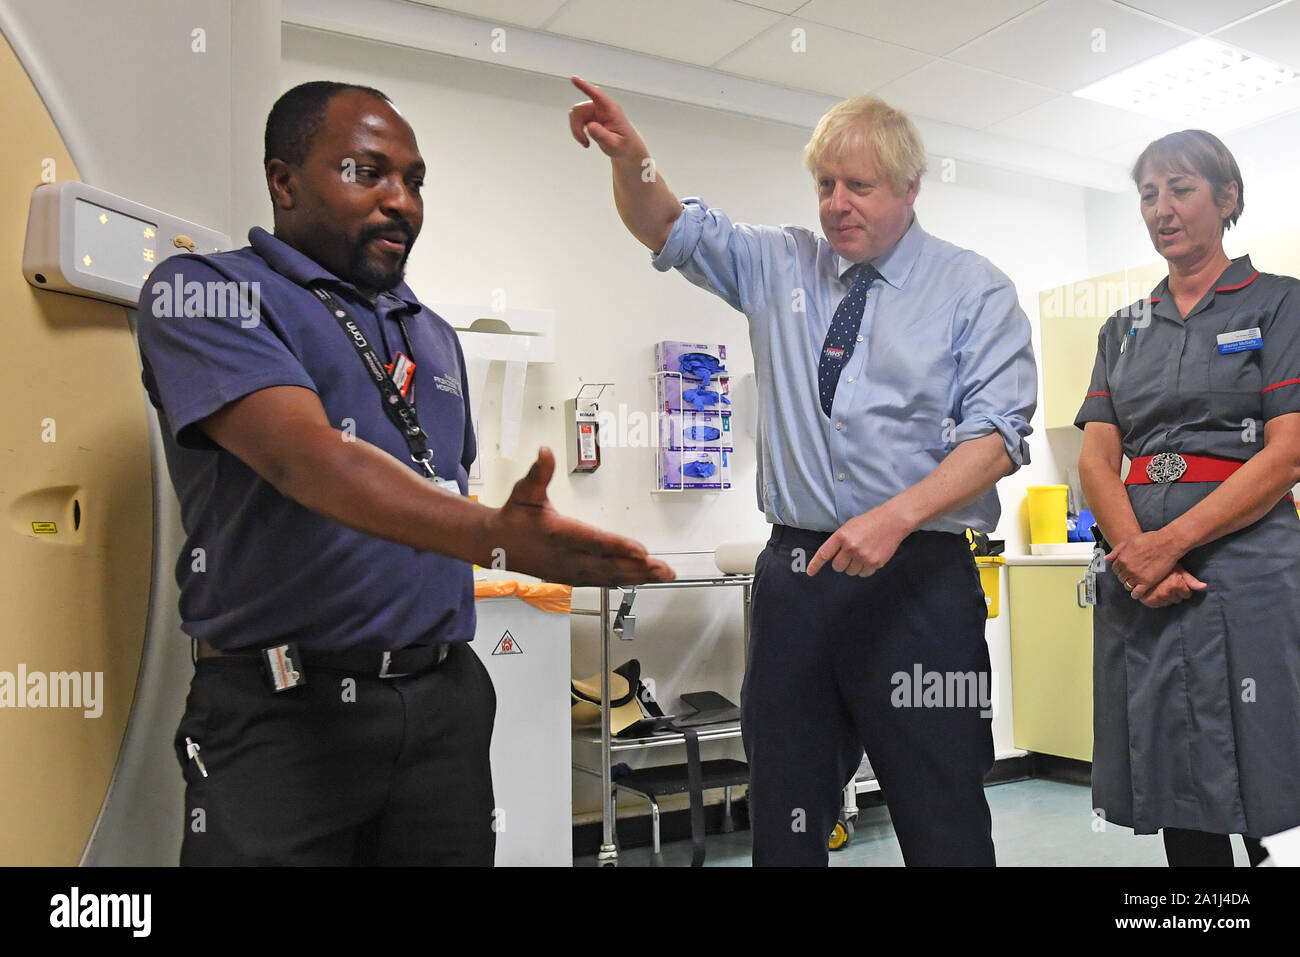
<point>1035,823</point>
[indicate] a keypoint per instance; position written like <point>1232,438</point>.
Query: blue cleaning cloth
<point>700,365</point>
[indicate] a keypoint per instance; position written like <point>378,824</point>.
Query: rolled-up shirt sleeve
<point>715,254</point>
<point>997,378</point>
<point>1097,405</point>
<point>1281,356</point>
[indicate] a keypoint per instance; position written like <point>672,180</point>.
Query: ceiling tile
<point>931,26</point>
<point>1275,35</point>
<point>833,61</point>
<point>1075,125</point>
<point>692,31</point>
<point>1124,152</point>
<point>528,13</point>
<point>958,94</point>
<point>1052,45</point>
<point>1202,16</point>
<point>780,6</point>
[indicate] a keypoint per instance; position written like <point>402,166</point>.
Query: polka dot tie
<point>843,333</point>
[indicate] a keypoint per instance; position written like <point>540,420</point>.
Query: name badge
<point>447,485</point>
<point>1095,567</point>
<point>1240,341</point>
<point>401,370</point>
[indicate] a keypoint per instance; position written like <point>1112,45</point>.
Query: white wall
<point>512,203</point>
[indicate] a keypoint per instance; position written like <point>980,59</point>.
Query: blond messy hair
<point>865,124</point>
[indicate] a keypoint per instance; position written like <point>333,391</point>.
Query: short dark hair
<point>297,116</point>
<point>1196,151</point>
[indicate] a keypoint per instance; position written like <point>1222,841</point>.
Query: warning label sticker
<point>507,646</point>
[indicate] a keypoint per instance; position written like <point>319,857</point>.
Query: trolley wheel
<point>842,836</point>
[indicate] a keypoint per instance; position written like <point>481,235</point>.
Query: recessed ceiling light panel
<point>1189,81</point>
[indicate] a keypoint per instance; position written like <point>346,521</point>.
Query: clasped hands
<point>1147,566</point>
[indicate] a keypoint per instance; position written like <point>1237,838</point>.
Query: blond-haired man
<point>896,382</point>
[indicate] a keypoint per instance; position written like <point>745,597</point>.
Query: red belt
<point>1174,467</point>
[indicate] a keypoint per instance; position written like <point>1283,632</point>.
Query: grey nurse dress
<point>1196,720</point>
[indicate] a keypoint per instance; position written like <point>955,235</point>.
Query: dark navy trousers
<point>895,663</point>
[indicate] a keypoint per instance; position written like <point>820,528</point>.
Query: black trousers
<point>895,663</point>
<point>1188,848</point>
<point>347,769</point>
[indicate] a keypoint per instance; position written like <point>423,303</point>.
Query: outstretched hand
<point>604,121</point>
<point>537,540</point>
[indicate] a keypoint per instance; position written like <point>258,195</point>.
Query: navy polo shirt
<point>259,569</point>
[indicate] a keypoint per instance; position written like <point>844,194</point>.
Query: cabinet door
<point>1277,253</point>
<point>1069,317</point>
<point>1051,661</point>
<point>1143,279</point>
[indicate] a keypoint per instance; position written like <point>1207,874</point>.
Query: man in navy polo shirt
<point>336,715</point>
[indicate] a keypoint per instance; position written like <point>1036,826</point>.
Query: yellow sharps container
<point>989,566</point>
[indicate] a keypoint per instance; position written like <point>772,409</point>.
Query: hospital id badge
<point>1095,568</point>
<point>447,485</point>
<point>283,667</point>
<point>401,370</point>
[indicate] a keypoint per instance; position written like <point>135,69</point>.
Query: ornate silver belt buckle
<point>1166,467</point>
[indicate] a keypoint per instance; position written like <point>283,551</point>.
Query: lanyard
<point>400,412</point>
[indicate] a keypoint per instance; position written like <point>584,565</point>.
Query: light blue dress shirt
<point>943,356</point>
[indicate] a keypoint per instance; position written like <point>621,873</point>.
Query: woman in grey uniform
<point>1196,662</point>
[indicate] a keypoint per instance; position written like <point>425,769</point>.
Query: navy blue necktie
<point>843,334</point>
